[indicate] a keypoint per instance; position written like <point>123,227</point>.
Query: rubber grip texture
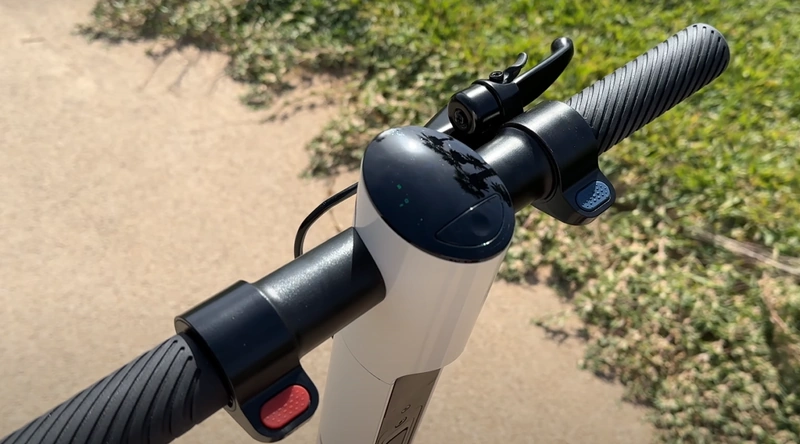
<point>154,399</point>
<point>648,86</point>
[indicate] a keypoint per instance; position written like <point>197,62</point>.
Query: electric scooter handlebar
<point>253,333</point>
<point>250,333</point>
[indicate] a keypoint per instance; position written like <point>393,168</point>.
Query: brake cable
<point>321,209</point>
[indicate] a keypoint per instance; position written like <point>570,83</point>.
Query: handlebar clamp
<point>581,191</point>
<point>257,356</point>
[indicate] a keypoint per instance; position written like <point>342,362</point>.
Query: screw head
<point>496,76</point>
<point>460,119</point>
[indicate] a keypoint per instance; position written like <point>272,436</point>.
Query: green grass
<point>702,334</point>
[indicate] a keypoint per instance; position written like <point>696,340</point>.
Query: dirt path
<point>129,196</point>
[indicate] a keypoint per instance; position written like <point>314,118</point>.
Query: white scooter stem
<point>437,221</point>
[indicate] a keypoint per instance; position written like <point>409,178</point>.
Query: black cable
<point>321,209</point>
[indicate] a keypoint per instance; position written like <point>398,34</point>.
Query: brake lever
<point>535,82</point>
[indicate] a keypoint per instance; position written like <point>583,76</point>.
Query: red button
<point>285,407</point>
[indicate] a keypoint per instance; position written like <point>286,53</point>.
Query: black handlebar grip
<point>645,88</point>
<point>154,399</point>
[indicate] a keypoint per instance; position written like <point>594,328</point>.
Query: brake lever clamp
<point>487,104</point>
